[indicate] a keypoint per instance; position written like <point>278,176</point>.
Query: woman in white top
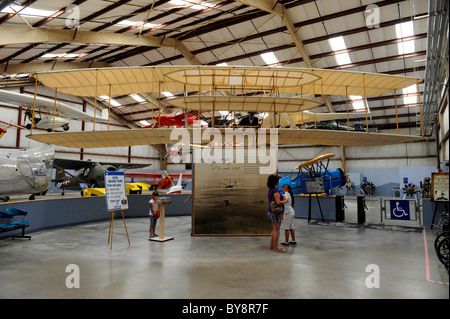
<point>288,218</point>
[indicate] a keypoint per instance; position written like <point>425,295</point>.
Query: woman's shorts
<point>152,220</point>
<point>288,222</point>
<point>275,218</point>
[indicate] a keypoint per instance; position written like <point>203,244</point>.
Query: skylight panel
<point>337,43</point>
<point>343,58</point>
<point>403,30</point>
<point>129,23</point>
<point>410,90</point>
<point>144,122</point>
<point>269,58</point>
<point>105,98</point>
<point>406,47</point>
<point>63,55</point>
<point>359,105</point>
<point>167,94</point>
<point>28,11</point>
<point>137,98</point>
<point>192,5</point>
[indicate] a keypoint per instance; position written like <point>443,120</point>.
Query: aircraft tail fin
<point>179,180</point>
<point>60,175</point>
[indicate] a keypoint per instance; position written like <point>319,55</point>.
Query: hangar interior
<point>407,38</point>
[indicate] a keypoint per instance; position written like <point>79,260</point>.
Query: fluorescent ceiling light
<point>410,90</point>
<point>137,98</point>
<point>222,64</point>
<point>27,12</point>
<point>167,94</point>
<point>269,58</point>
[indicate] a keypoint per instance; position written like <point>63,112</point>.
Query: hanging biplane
<point>289,90</point>
<point>327,179</point>
<point>3,130</point>
<point>48,114</point>
<point>171,120</point>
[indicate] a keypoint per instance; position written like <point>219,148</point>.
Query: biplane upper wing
<point>315,160</point>
<point>129,80</point>
<point>131,137</point>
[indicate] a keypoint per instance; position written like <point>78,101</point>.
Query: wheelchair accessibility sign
<point>399,209</point>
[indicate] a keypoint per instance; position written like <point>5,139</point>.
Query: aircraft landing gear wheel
<point>65,127</point>
<point>442,251</point>
<point>32,197</point>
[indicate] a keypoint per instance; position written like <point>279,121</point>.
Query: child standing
<point>154,214</point>
<point>288,221</point>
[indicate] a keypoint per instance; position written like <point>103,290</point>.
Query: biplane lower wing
<point>132,137</point>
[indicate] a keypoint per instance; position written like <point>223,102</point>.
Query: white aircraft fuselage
<point>26,171</point>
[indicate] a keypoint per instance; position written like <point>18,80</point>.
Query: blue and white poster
<point>116,196</point>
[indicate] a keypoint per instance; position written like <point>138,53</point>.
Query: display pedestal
<point>162,209</point>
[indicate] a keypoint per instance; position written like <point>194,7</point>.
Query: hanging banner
<point>116,196</point>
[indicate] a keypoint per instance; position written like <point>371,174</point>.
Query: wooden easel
<point>162,212</point>
<point>111,227</point>
<point>318,203</point>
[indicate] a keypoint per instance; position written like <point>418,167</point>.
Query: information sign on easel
<point>439,191</point>
<point>310,186</point>
<point>116,199</point>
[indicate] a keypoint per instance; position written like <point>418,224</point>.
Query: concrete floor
<point>328,262</point>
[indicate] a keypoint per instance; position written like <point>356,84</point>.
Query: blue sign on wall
<point>399,209</point>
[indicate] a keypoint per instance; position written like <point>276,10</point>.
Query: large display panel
<point>230,192</point>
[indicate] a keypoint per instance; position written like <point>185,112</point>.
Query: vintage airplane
<point>172,120</point>
<point>25,171</point>
<point>3,130</point>
<point>160,181</point>
<point>87,173</point>
<point>176,189</point>
<point>314,177</point>
<point>47,115</point>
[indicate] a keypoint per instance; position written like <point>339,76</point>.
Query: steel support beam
<point>25,35</point>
